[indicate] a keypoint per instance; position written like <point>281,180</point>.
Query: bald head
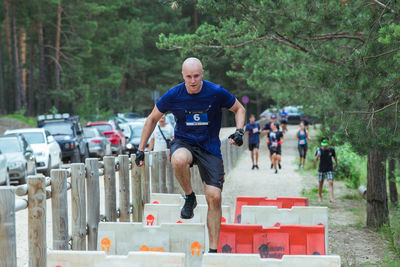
<point>192,62</point>
<point>192,72</point>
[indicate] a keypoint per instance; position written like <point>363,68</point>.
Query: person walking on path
<point>284,119</point>
<point>325,155</point>
<point>253,130</point>
<point>302,144</point>
<point>197,106</point>
<point>162,136</point>
<point>275,139</point>
<point>266,130</point>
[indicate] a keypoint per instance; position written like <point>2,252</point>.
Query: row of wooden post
<point>134,191</point>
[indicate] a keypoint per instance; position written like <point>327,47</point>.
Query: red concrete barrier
<point>272,242</point>
<point>280,202</point>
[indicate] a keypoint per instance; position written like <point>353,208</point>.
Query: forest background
<point>340,59</point>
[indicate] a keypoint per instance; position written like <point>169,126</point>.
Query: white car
<point>45,148</point>
<point>4,179</point>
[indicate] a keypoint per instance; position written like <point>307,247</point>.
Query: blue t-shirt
<point>198,116</point>
<point>254,132</point>
<point>284,115</point>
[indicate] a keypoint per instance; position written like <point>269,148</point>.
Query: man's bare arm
<point>149,126</point>
<point>240,114</point>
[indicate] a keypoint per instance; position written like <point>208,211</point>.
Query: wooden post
<point>169,175</point>
<point>37,221</point>
<point>59,207</point>
<point>78,195</point>
<point>162,173</point>
<point>146,179</point>
<point>8,248</point>
<point>136,184</point>
<point>155,180</point>
<point>93,201</point>
<point>124,188</point>
<point>110,189</point>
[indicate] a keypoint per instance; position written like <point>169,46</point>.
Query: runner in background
<point>275,138</point>
<point>253,130</point>
<point>302,144</point>
<point>325,154</point>
<point>162,136</point>
<point>266,130</point>
<point>283,116</point>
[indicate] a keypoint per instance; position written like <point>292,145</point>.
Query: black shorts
<point>284,121</point>
<point>302,150</point>
<point>211,167</point>
<point>275,150</point>
<point>252,146</point>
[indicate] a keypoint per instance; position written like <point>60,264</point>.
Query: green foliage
<point>348,166</point>
<point>28,120</point>
<point>392,234</point>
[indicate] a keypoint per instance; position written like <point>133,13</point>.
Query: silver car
<point>3,169</point>
<point>21,161</point>
<point>98,144</point>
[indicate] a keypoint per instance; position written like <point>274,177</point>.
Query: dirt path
<point>243,181</point>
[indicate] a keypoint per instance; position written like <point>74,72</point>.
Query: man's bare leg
<point>330,182</point>
<point>252,157</point>
<point>256,152</point>
<point>181,160</point>
<point>214,214</point>
<point>320,186</point>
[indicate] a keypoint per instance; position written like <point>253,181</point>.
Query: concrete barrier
<point>269,216</point>
<point>58,258</point>
<point>156,214</point>
<point>122,238</point>
<point>158,198</point>
<point>240,260</point>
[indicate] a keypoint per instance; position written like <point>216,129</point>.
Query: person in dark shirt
<point>274,140</point>
<point>253,130</point>
<point>267,129</point>
<point>325,155</point>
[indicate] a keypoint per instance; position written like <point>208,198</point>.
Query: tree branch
<point>340,35</point>
<point>383,54</point>
<point>384,6</point>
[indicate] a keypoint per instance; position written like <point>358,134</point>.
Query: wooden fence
<point>135,186</point>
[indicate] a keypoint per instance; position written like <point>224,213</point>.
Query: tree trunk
<point>392,181</point>
<point>19,104</point>
<point>3,102</point>
<point>43,85</point>
<point>377,206</point>
<point>22,62</point>
<point>57,63</point>
<point>10,91</point>
<point>195,16</point>
<point>31,81</point>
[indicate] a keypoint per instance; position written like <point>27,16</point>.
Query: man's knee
<point>214,199</point>
<point>181,159</point>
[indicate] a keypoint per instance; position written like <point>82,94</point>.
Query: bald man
<point>196,105</point>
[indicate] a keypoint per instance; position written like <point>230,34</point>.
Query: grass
<point>22,118</point>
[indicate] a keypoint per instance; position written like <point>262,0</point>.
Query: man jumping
<point>196,105</point>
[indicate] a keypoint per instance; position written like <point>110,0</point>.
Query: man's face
<point>192,74</point>
<point>252,119</point>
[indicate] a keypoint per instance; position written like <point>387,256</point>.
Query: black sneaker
<point>279,165</point>
<point>257,167</point>
<point>272,166</point>
<point>253,167</point>
<point>188,207</point>
<point>276,171</point>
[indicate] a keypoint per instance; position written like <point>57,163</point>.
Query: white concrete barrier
<point>122,238</point>
<point>63,258</point>
<point>156,214</point>
<point>269,216</point>
<point>254,260</point>
<point>159,198</point>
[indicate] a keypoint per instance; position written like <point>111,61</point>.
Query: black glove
<point>139,157</point>
<point>237,137</point>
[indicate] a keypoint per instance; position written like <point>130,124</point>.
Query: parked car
<point>20,158</point>
<point>134,140</point>
<point>113,132</point>
<point>130,116</point>
<point>294,114</point>
<point>46,149</point>
<point>126,129</point>
<point>98,143</point>
<point>4,179</point>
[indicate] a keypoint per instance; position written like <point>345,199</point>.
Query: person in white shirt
<point>163,133</point>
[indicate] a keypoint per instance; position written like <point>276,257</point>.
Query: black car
<point>68,132</point>
<point>295,116</point>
